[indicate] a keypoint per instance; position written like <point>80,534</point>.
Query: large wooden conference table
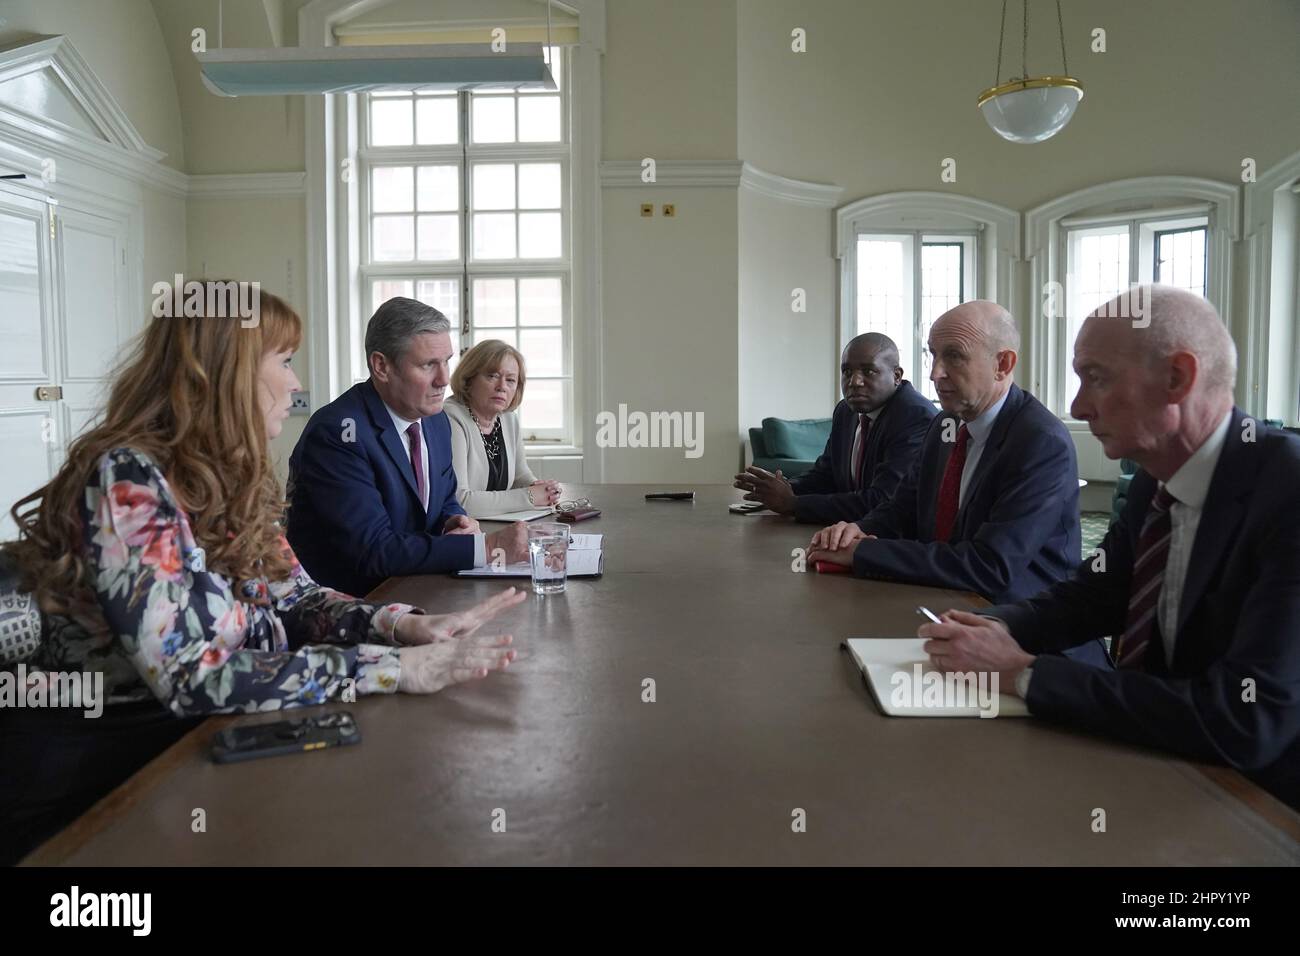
<point>757,714</point>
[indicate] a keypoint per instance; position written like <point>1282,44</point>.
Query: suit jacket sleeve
<point>895,516</point>
<point>519,456</point>
<point>1243,711</point>
<point>339,480</point>
<point>820,478</point>
<point>477,503</point>
<point>1026,510</point>
<point>1091,603</point>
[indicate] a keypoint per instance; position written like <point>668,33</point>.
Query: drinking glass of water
<point>548,550</point>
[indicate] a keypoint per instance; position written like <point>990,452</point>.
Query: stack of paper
<point>531,514</point>
<point>586,559</point>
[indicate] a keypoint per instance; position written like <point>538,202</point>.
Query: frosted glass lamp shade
<point>1032,110</point>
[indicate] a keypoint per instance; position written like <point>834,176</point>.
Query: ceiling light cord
<point>1060,26</point>
<point>1002,32</point>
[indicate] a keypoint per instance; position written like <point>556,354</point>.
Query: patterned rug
<point>1092,528</point>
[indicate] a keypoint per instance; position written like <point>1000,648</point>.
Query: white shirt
<point>1190,484</point>
<point>979,431</point>
<point>402,424</point>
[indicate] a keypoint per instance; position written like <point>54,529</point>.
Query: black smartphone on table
<point>335,729</point>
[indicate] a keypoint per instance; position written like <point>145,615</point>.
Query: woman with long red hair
<point>158,559</point>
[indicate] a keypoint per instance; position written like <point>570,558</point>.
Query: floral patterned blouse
<point>161,624</point>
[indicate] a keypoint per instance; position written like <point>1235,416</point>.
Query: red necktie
<point>1145,585</point>
<point>945,514</point>
<point>864,425</point>
<point>417,462</point>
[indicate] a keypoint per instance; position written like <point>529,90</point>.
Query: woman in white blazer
<point>487,450</point>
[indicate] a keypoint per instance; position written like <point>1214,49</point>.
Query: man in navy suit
<point>1200,583</point>
<point>372,492</point>
<point>992,502</point>
<point>875,433</point>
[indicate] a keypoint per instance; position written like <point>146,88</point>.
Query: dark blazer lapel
<point>1220,516</point>
<point>388,437</point>
<point>844,454</point>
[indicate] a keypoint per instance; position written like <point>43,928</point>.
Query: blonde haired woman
<point>157,557</point>
<point>487,449</point>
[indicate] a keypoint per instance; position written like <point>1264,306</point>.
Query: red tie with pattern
<point>1145,585</point>
<point>417,462</point>
<point>864,426</point>
<point>945,514</point>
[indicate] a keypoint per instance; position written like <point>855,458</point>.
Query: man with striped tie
<point>1199,579</point>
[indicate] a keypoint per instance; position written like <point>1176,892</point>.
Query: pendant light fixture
<point>1030,109</point>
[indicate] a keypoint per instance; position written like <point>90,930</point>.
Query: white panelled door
<point>63,319</point>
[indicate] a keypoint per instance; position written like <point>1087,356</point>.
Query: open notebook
<point>905,683</point>
<point>586,559</point>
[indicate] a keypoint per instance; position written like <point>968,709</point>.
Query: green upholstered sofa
<point>790,445</point>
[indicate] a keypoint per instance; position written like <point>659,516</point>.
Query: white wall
<point>258,240</point>
<point>788,361</point>
<point>122,43</point>
<point>670,286</point>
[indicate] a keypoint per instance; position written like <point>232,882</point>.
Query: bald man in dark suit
<point>1200,584</point>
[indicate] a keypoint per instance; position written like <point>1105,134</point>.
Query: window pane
<point>543,405</point>
<point>390,122</point>
<point>443,295</point>
<point>439,237</point>
<point>493,119</point>
<point>540,302</point>
<point>941,289</point>
<point>544,351</point>
<point>501,335</point>
<point>438,188</point>
<point>1098,272</point>
<point>494,302</point>
<point>1180,259</point>
<point>494,235</point>
<point>539,185</point>
<point>394,238</point>
<point>436,120</point>
<point>539,119</point>
<point>381,290</point>
<point>393,189</point>
<point>885,290</point>
<point>494,186</point>
<point>539,235</point>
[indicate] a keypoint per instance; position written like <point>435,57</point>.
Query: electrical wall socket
<point>669,210</point>
<point>301,404</point>
<point>647,209</point>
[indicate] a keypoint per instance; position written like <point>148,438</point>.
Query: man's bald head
<point>974,349</point>
<point>984,320</point>
<point>1156,371</point>
<point>874,342</point>
<point>1162,320</point>
<point>869,371</point>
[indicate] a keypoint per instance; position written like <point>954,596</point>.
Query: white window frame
<point>1150,198</point>
<point>1269,366</point>
<point>913,351</point>
<point>466,156</point>
<point>334,288</point>
<point>996,248</point>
